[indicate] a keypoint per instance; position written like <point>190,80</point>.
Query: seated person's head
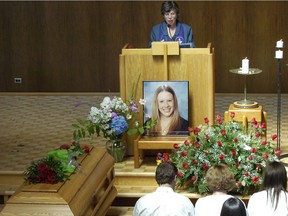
<point>275,176</point>
<point>233,207</point>
<point>166,173</point>
<point>220,178</point>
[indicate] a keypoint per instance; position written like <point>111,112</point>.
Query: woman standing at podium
<point>171,29</point>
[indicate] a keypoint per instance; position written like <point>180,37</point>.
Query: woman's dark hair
<point>165,173</point>
<point>233,207</point>
<point>275,177</point>
<point>167,6</point>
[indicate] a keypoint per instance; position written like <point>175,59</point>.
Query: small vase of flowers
<point>113,119</point>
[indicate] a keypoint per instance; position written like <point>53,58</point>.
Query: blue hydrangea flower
<point>119,125</point>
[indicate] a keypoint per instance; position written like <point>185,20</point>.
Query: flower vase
<point>116,148</point>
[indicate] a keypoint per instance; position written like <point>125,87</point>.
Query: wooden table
<point>153,142</point>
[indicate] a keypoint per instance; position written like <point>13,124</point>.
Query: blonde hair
<point>156,115</point>
<point>220,178</point>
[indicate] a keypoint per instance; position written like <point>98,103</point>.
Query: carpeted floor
<point>33,124</point>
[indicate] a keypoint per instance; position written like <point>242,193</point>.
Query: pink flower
<point>239,184</point>
<point>190,129</point>
<point>186,143</point>
<point>274,137</point>
<point>223,132</point>
<point>185,165</point>
<point>253,150</point>
<point>264,142</point>
<point>221,156</point>
<point>176,146</point>
<point>196,130</point>
<point>258,134</point>
<point>184,153</point>
<point>207,137</point>
<point>255,179</point>
<point>65,146</point>
<point>253,121</point>
<point>235,140</point>
<point>263,125</point>
<point>220,121</point>
<point>219,143</point>
<point>234,152</point>
<point>250,157</point>
<point>179,174</point>
<point>206,166</point>
<point>206,120</point>
<point>256,126</point>
<point>197,145</point>
<point>232,114</point>
<point>236,164</point>
<point>86,149</point>
<point>218,117</point>
<point>166,156</point>
<point>265,156</point>
<point>277,153</point>
<point>246,173</point>
<point>193,179</point>
<point>195,161</point>
<point>259,166</point>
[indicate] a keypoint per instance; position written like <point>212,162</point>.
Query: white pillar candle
<point>279,44</point>
<point>245,65</point>
<point>279,54</point>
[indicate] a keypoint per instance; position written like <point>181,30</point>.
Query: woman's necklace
<point>165,127</point>
<point>171,32</point>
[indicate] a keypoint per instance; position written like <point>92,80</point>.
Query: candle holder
<point>246,104</point>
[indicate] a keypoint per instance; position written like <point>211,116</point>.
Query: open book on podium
<point>166,61</point>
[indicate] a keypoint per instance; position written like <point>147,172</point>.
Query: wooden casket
<point>89,191</point>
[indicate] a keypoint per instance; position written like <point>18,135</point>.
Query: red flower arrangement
<point>246,152</point>
<point>56,166</point>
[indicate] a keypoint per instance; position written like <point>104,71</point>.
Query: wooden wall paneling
<point>74,46</point>
<point>263,30</point>
<point>230,44</point>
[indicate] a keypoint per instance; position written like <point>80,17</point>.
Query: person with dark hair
<point>233,207</point>
<point>220,180</point>
<point>171,29</point>
<point>166,113</point>
<point>164,201</point>
<point>272,200</point>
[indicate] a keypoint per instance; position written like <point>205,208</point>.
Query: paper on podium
<point>171,48</point>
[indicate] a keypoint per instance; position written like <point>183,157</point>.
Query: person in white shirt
<point>273,199</point>
<point>220,180</point>
<point>164,201</point>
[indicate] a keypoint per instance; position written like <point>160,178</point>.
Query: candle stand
<point>246,103</point>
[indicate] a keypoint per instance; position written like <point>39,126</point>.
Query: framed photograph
<point>167,103</point>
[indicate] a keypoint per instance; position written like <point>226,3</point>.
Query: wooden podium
<point>166,61</point>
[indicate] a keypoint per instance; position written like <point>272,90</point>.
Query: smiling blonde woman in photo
<point>166,113</point>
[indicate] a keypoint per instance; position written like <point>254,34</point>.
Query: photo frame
<point>171,119</point>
